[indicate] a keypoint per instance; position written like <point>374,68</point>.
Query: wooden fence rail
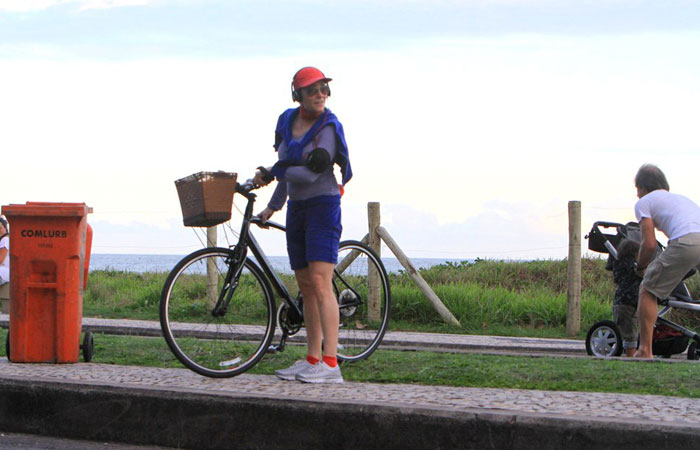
<point>417,278</point>
<point>376,235</point>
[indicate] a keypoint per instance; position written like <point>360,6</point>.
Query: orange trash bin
<point>49,259</point>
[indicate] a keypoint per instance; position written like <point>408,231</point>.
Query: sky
<point>473,123</point>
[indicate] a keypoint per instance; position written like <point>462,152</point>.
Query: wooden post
<point>417,278</point>
<point>375,243</point>
<point>212,270</point>
<point>573,298</point>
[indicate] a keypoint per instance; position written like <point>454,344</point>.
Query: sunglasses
<point>314,90</point>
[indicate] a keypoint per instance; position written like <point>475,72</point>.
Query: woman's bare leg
<point>312,317</point>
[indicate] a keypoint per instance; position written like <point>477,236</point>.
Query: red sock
<point>331,361</point>
<point>311,360</point>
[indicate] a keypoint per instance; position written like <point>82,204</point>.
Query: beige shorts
<point>668,269</point>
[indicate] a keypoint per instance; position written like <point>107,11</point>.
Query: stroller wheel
<point>693,351</point>
<point>604,340</point>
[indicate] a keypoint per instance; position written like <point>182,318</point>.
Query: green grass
<point>116,295</point>
<point>461,370</point>
<point>486,296</point>
<point>511,298</point>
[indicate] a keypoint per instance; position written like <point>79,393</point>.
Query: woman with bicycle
<point>309,139</point>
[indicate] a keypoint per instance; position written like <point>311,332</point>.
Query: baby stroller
<point>604,339</point>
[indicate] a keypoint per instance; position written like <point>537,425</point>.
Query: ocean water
<point>164,263</point>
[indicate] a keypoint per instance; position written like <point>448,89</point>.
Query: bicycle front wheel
<point>361,286</point>
<point>227,341</point>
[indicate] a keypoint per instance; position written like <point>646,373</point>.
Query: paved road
<point>12,441</point>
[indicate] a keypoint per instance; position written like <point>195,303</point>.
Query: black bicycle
<point>218,312</point>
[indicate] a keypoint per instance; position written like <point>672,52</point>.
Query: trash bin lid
<point>47,209</point>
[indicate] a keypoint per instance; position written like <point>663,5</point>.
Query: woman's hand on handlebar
<point>265,214</point>
<point>262,176</point>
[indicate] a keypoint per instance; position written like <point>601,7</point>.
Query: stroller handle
<point>607,224</point>
<point>611,248</point>
<point>600,235</point>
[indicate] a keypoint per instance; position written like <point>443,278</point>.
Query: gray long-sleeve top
<point>299,182</point>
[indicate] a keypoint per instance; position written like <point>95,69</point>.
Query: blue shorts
<point>313,230</point>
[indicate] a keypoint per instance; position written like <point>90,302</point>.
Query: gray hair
<point>650,178</point>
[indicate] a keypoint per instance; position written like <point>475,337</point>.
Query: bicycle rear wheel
<point>361,286</point>
<point>216,345</point>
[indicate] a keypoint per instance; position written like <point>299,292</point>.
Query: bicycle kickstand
<point>279,347</point>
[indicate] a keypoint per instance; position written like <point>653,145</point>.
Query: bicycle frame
<point>271,274</point>
<point>247,241</point>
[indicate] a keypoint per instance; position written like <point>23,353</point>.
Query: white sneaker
<point>289,373</point>
<point>320,373</point>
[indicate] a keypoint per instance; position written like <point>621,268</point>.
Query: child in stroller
<point>607,338</point>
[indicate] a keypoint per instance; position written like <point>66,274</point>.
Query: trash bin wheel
<point>88,346</point>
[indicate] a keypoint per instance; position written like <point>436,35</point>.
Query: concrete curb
<point>198,420</point>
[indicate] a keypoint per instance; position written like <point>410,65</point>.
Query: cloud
<point>40,5</point>
<point>107,29</point>
<point>503,230</point>
<point>26,5</point>
<point>106,4</point>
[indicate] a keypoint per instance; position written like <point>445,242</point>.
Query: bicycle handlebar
<point>246,187</point>
<point>268,224</point>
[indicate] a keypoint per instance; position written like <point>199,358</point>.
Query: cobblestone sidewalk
<point>622,407</point>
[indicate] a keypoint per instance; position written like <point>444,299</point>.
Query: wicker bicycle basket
<point>206,198</point>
